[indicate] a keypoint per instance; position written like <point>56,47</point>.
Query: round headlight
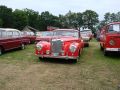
<point>39,47</point>
<point>112,42</point>
<point>73,48</point>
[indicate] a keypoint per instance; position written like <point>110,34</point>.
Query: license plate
<point>55,54</point>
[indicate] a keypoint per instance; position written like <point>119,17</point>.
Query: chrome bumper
<point>59,57</point>
<point>112,49</point>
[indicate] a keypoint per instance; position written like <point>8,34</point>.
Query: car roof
<point>9,29</point>
<point>114,23</point>
<point>66,30</point>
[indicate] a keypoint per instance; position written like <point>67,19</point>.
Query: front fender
<point>46,46</point>
<point>67,51</point>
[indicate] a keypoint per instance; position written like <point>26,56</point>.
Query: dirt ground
<point>21,70</point>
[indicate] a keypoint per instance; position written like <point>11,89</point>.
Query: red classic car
<point>11,39</point>
<point>60,43</point>
<point>110,38</point>
<point>29,35</point>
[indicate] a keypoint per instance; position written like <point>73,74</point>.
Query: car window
<point>114,28</point>
<point>44,34</point>
<point>16,34</point>
<point>0,34</point>
<point>9,34</point>
<point>4,34</point>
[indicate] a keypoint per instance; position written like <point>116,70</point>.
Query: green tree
<point>107,17</point>
<point>118,16</point>
<point>6,16</point>
<point>47,19</point>
<point>20,19</point>
<point>110,17</point>
<point>79,20</point>
<point>1,22</point>
<point>33,18</point>
<point>90,19</point>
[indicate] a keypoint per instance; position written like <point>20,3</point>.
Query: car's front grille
<point>56,46</point>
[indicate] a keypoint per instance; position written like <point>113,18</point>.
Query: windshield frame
<point>71,31</point>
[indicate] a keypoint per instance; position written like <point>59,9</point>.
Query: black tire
<point>40,58</point>
<point>101,48</point>
<point>22,46</point>
<point>106,53</point>
<point>1,51</point>
<point>87,45</point>
<point>76,60</point>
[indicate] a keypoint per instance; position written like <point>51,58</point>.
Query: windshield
<point>44,34</point>
<point>58,33</point>
<point>86,31</point>
<point>114,28</point>
<point>66,33</point>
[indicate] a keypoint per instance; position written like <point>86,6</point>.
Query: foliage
<point>33,18</point>
<point>47,19</point>
<point>90,18</point>
<point>1,22</point>
<point>20,19</point>
<point>6,16</point>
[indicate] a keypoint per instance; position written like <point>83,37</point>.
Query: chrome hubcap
<point>0,52</point>
<point>23,46</point>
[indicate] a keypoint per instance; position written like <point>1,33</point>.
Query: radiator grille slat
<point>56,46</point>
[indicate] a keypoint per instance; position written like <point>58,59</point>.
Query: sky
<point>57,7</point>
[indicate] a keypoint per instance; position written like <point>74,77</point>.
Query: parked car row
<point>11,39</point>
<point>61,43</point>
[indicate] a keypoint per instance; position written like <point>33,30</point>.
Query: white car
<point>85,38</point>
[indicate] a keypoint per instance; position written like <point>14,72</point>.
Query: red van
<point>10,39</point>
<point>110,38</point>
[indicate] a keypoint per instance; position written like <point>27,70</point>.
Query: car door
<point>16,39</point>
<point>5,41</point>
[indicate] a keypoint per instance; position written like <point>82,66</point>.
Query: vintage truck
<point>110,38</point>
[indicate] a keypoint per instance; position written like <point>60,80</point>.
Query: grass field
<point>22,70</point>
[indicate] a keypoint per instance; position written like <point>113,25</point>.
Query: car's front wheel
<point>1,51</point>
<point>76,60</point>
<point>106,53</point>
<point>22,46</point>
<point>101,48</point>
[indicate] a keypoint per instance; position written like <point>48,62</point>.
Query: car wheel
<point>76,60</point>
<point>106,53</point>
<point>87,45</point>
<point>29,42</point>
<point>22,46</point>
<point>101,48</point>
<point>0,51</point>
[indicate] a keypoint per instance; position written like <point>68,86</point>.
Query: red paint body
<point>30,36</point>
<point>110,40</point>
<point>10,39</point>
<point>65,51</point>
